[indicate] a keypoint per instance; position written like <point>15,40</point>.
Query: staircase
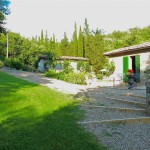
<point>117,117</point>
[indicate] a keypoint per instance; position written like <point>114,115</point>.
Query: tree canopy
<point>84,43</point>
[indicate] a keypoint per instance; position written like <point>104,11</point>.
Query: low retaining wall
<point>148,97</point>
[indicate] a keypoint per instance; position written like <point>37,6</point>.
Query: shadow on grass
<point>31,123</point>
<point>52,131</point>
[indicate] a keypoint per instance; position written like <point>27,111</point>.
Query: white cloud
<point>29,17</point>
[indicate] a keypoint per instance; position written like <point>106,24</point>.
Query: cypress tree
<point>64,45</point>
<point>86,40</point>
<point>97,60</point>
<point>75,41</point>
<point>42,37</point>
<point>46,40</point>
<point>80,43</point>
<point>54,39</point>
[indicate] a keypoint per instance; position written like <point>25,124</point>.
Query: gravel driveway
<point>59,85</point>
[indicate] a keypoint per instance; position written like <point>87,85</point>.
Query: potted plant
<point>131,78</point>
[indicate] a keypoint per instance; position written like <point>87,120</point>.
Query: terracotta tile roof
<point>144,47</point>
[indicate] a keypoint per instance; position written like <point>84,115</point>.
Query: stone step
<point>126,120</point>
<point>143,105</point>
<point>128,110</point>
<point>103,113</point>
<point>128,94</point>
<point>123,94</point>
<point>139,93</point>
<point>117,118</point>
<point>109,102</point>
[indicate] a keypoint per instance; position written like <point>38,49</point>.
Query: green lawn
<point>33,117</point>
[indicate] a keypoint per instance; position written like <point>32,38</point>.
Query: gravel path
<point>59,85</point>
<point>99,114</point>
<point>116,136</point>
<point>122,136</point>
<point>101,101</point>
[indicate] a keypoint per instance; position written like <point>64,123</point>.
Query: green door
<point>125,68</point>
<point>137,67</point>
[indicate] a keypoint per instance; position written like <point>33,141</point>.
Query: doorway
<point>135,60</point>
<point>134,63</point>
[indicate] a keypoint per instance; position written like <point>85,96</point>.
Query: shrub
<point>16,63</point>
<point>66,64</point>
<point>76,78</point>
<point>51,73</point>
<point>99,76</point>
<point>25,68</point>
<point>110,68</point>
<point>68,70</point>
<point>1,64</point>
<point>71,77</point>
<point>13,63</point>
<point>87,67</point>
<point>80,65</point>
<point>61,75</point>
<point>28,68</point>
<point>7,62</point>
<point>90,76</point>
<point>83,66</point>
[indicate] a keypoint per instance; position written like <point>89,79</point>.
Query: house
<point>42,66</point>
<point>41,63</point>
<point>133,57</point>
<point>72,60</point>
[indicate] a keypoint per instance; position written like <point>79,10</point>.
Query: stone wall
<point>148,97</point>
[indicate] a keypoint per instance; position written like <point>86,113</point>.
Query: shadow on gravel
<point>108,90</point>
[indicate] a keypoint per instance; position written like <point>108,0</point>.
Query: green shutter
<point>125,68</point>
<point>137,67</point>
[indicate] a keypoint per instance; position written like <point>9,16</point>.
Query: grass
<point>33,117</point>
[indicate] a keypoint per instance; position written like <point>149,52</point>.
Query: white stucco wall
<point>74,66</point>
<point>143,60</point>
<point>118,73</point>
<point>41,67</point>
<point>144,57</point>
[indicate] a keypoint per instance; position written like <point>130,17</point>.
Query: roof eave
<point>127,52</point>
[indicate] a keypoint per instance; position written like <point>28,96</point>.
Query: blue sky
<point>29,17</point>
